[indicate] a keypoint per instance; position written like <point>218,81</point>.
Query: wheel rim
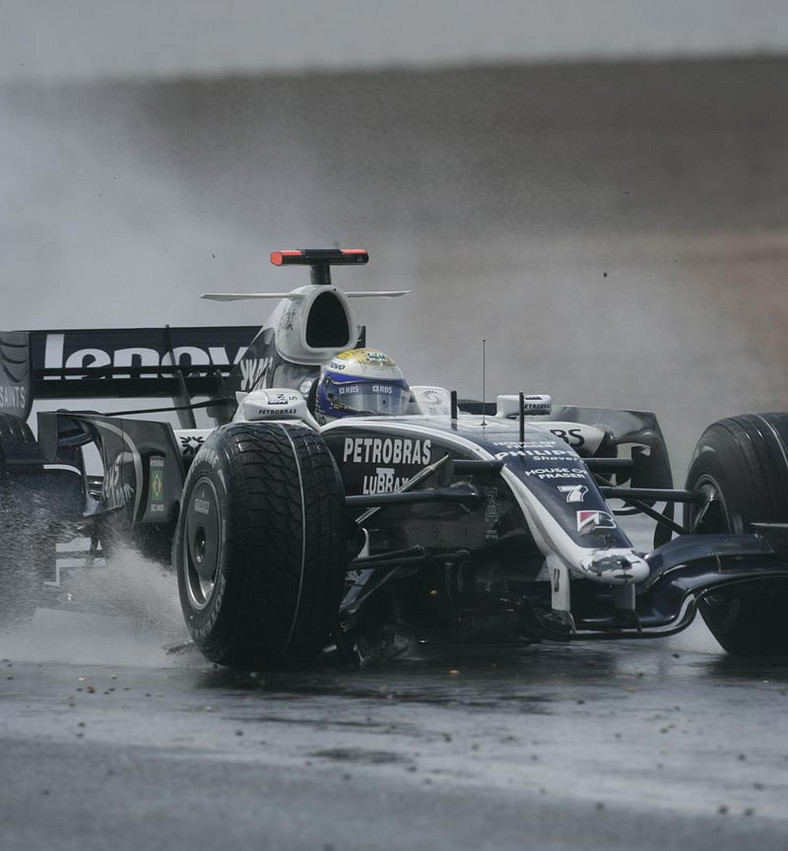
<point>201,543</point>
<point>714,516</point>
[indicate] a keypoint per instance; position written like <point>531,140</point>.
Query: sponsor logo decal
<point>253,370</point>
<point>133,357</point>
<point>282,398</point>
<point>556,473</point>
<point>12,396</point>
<point>530,452</point>
<point>433,401</point>
<point>156,501</point>
<point>590,521</point>
<point>573,436</point>
<point>538,404</point>
<point>490,504</point>
<point>190,444</point>
<point>260,405</point>
<point>574,493</point>
<point>288,320</point>
<point>117,492</point>
<point>385,480</point>
<point>202,506</point>
<point>277,412</point>
<point>386,450</point>
<point>529,444</point>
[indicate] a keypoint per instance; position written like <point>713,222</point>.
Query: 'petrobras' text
<point>388,450</point>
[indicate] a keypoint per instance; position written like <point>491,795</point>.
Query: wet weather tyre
<point>27,557</point>
<point>741,465</point>
<point>260,547</point>
<point>27,547</point>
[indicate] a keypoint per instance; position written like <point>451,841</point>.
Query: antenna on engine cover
<point>521,408</point>
<point>484,381</point>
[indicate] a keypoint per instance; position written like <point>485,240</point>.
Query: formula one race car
<point>439,521</point>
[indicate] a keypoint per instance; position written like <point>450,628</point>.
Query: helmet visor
<point>369,397</point>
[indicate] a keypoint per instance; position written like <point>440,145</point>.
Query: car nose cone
<point>617,567</point>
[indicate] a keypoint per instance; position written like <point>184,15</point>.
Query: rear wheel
<point>260,547</point>
<point>27,544</point>
<point>741,465</point>
<point>27,560</point>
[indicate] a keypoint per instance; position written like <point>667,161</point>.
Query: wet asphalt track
<point>663,744</point>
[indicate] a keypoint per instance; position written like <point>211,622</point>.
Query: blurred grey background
<point>597,187</point>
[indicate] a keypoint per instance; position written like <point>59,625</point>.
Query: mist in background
<point>617,230</point>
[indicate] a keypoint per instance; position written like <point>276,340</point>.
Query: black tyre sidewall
<point>744,460</point>
<point>746,457</point>
<point>210,627</point>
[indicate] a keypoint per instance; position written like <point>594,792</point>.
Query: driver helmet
<point>361,382</point>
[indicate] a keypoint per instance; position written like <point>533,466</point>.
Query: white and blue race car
<point>453,522</point>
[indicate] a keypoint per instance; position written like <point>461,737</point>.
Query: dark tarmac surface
<point>653,744</point>
<point>109,740</point>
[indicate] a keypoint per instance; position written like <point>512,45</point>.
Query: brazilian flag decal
<point>157,486</point>
<point>156,480</point>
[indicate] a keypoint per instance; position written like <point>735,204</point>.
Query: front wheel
<point>260,546</point>
<point>740,464</point>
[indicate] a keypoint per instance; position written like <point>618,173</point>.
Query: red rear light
<point>278,257</point>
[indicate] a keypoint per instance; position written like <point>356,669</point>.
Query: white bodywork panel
<point>273,404</point>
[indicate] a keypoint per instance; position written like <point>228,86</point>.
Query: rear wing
<point>117,363</point>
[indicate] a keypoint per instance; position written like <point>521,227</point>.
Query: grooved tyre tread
<point>27,550</point>
<point>742,463</point>
<point>15,431</point>
<point>273,558</point>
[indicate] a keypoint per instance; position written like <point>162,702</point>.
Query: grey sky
<point>86,39</point>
